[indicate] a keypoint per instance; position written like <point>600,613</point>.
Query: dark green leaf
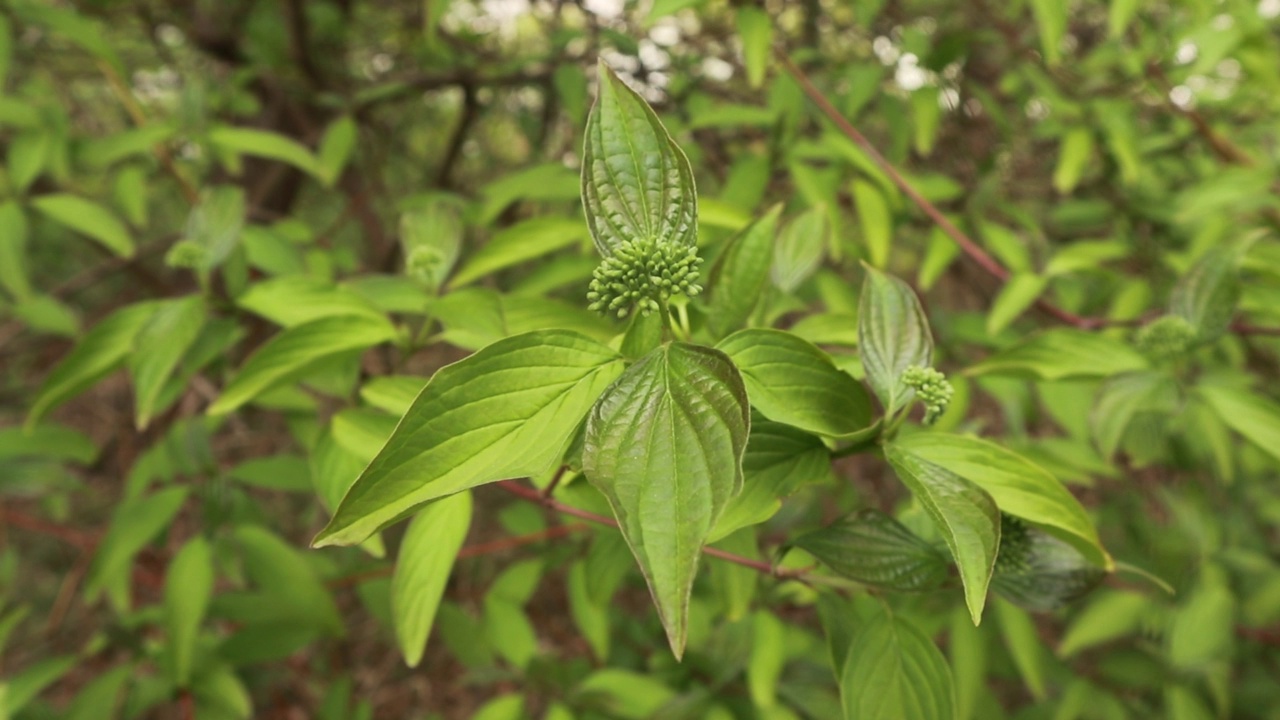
<point>741,273</point>
<point>873,548</point>
<point>1207,294</point>
<point>187,590</point>
<point>893,672</point>
<point>426,557</point>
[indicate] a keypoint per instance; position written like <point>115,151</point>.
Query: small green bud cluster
<point>422,262</point>
<point>641,274</point>
<point>932,388</point>
<point>186,254</point>
<point>1166,338</point>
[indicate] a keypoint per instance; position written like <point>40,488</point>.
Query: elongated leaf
<point>1063,353</point>
<point>215,223</point>
<point>755,28</point>
<point>296,350</point>
<point>1121,399</point>
<point>519,243</point>
<point>876,221</point>
<point>1207,294</point>
<point>1018,486</point>
<point>49,441</point>
<point>778,461</point>
<point>873,548</point>
<point>893,334</point>
<point>507,411</point>
<point>1024,645</point>
<point>636,182</point>
<point>893,671</point>
<point>800,247</point>
<point>1073,158</point>
<point>664,445</point>
<point>133,525</point>
<point>427,553</point>
<point>290,593</point>
<point>965,514</point>
<point>1019,292</point>
<point>1112,615</point>
<point>294,300</point>
<point>1039,572</point>
<point>160,345</point>
<point>741,274</point>
<point>1253,416</point>
<point>336,146</point>
<point>102,350</point>
<point>432,239</point>
<point>88,218</point>
<point>793,382</point>
<point>13,256</point>
<point>17,691</point>
<point>1051,20</point>
<point>267,144</point>
<point>187,590</point>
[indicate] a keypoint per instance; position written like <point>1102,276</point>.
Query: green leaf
<point>49,441</point>
<point>294,300</point>
<point>872,548</point>
<point>507,411</point>
<point>296,350</point>
<point>624,693</point>
<point>778,461</point>
<point>591,616</point>
<point>1017,295</point>
<point>1063,353</point>
<point>102,350</point>
<point>187,590</point>
<point>13,256</point>
<point>1122,398</point>
<point>88,218</point>
<point>793,382</point>
<point>159,347</point>
<point>876,221</point>
<point>1040,572</point>
<point>740,274</point>
<point>636,182</point>
<point>18,690</point>
<point>287,583</point>
<point>133,525</point>
<point>1250,414</point>
<point>427,553</point>
<point>799,250</point>
<point>1111,616</point>
<point>1202,628</point>
<point>893,335</point>
<point>432,237</point>
<point>520,243</point>
<point>1018,486</point>
<point>1120,14</point>
<point>393,393</point>
<point>336,146</point>
<point>965,514</point>
<point>215,223</point>
<point>1073,158</point>
<point>664,445</point>
<point>768,658</point>
<point>28,154</point>
<point>1023,641</point>
<point>755,28</point>
<point>1051,21</point>
<point>269,145</point>
<point>1207,294</point>
<point>894,671</point>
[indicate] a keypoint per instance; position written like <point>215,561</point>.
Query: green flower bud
<point>1165,338</point>
<point>186,254</point>
<point>931,388</point>
<point>643,274</point>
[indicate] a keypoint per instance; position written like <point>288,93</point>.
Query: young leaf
<point>778,461</point>
<point>507,411</point>
<point>636,182</point>
<point>965,514</point>
<point>159,347</point>
<point>893,335</point>
<point>431,237</point>
<point>88,218</point>
<point>215,224</point>
<point>1207,294</point>
<point>1253,416</point>
<point>755,28</point>
<point>1051,20</point>
<point>1063,353</point>
<point>1018,486</point>
<point>335,148</point>
<point>1123,397</point>
<point>664,445</point>
<point>519,243</point>
<point>296,350</point>
<point>13,259</point>
<point>893,671</point>
<point>799,249</point>
<point>741,274</point>
<point>427,553</point>
<point>294,300</point>
<point>1077,147</point>
<point>872,548</point>
<point>1017,295</point>
<point>267,144</point>
<point>188,588</point>
<point>793,382</point>
<point>876,221</point>
<point>133,525</point>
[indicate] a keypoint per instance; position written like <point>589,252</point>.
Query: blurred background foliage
<point>257,164</point>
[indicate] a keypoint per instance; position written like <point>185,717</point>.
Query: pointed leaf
<point>966,517</point>
<point>799,249</point>
<point>133,525</point>
<point>1039,572</point>
<point>1207,294</point>
<point>893,334</point>
<point>893,671</point>
<point>778,461</point>
<point>1250,414</point>
<point>1017,295</point>
<point>871,547</point>
<point>664,445</point>
<point>336,147</point>
<point>1063,353</point>
<point>636,182</point>
<point>426,558</point>
<point>1123,397</point>
<point>215,223</point>
<point>267,144</point>
<point>159,347</point>
<point>519,243</point>
<point>741,274</point>
<point>13,258</point>
<point>187,589</point>
<point>793,382</point>
<point>876,221</point>
<point>88,218</point>
<point>507,411</point>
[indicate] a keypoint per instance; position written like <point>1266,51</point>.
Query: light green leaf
<point>1023,641</point>
<point>894,671</point>
<point>131,194</point>
<point>50,441</point>
<point>296,350</point>
<point>875,220</point>
<point>591,617</point>
<point>755,28</point>
<point>13,256</point>
<point>267,144</point>
<point>926,115</point>
<point>17,691</point>
<point>799,249</point>
<point>1119,16</point>
<point>767,660</point>
<point>336,146</point>
<point>1051,21</point>
<point>507,411</point>
<point>740,274</point>
<point>872,548</point>
<point>88,218</point>
<point>1018,486</point>
<point>1073,158</point>
<point>624,694</point>
<point>966,516</point>
<point>778,461</point>
<point>1063,353</point>
<point>520,243</point>
<point>159,347</point>
<point>1122,398</point>
<point>636,182</point>
<point>1207,294</point>
<point>664,445</point>
<point>938,256</point>
<point>187,590</point>
<point>431,237</point>
<point>1252,415</point>
<point>1017,295</point>
<point>793,382</point>
<point>393,393</point>
<point>288,584</point>
<point>133,525</point>
<point>893,335</point>
<point>1201,630</point>
<point>426,557</point>
<point>294,300</point>
<point>28,153</point>
<point>102,350</point>
<point>1111,616</point>
<point>215,223</point>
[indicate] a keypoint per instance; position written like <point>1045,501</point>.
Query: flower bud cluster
<point>643,273</point>
<point>932,388</point>
<point>187,254</point>
<point>1165,338</point>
